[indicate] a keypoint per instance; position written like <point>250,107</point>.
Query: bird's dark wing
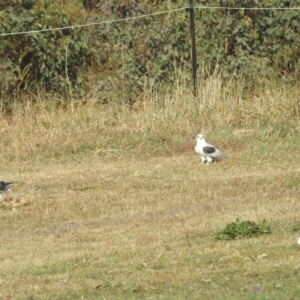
<point>213,153</point>
<point>208,150</point>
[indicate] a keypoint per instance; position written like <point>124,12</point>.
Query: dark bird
<point>4,187</point>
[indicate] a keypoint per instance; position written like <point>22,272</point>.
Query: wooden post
<point>194,58</point>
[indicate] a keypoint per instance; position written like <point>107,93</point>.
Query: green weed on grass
<point>243,229</point>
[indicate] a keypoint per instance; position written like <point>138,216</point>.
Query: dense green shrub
<point>249,42</point>
<point>125,58</point>
<point>141,52</point>
<point>51,61</point>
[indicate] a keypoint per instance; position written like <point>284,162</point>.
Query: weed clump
<point>243,229</point>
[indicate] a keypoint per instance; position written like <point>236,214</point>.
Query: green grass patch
<point>245,229</point>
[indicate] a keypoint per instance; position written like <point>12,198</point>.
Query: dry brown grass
<point>169,122</point>
<point>113,203</point>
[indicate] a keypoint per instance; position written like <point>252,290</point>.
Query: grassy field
<point>113,203</point>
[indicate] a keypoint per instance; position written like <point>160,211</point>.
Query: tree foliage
<point>50,60</point>
<point>127,56</point>
<point>250,42</point>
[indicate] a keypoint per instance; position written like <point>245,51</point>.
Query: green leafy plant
<point>129,58</point>
<point>243,229</point>
<point>52,61</point>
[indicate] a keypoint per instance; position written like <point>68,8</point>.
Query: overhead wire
<point>144,16</point>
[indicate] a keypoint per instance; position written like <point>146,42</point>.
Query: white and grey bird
<point>208,152</point>
<point>4,187</point>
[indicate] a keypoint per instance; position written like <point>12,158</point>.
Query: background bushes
<point>127,58</point>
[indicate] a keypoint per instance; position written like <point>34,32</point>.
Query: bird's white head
<point>200,137</point>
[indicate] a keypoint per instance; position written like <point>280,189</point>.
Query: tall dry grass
<point>154,124</point>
